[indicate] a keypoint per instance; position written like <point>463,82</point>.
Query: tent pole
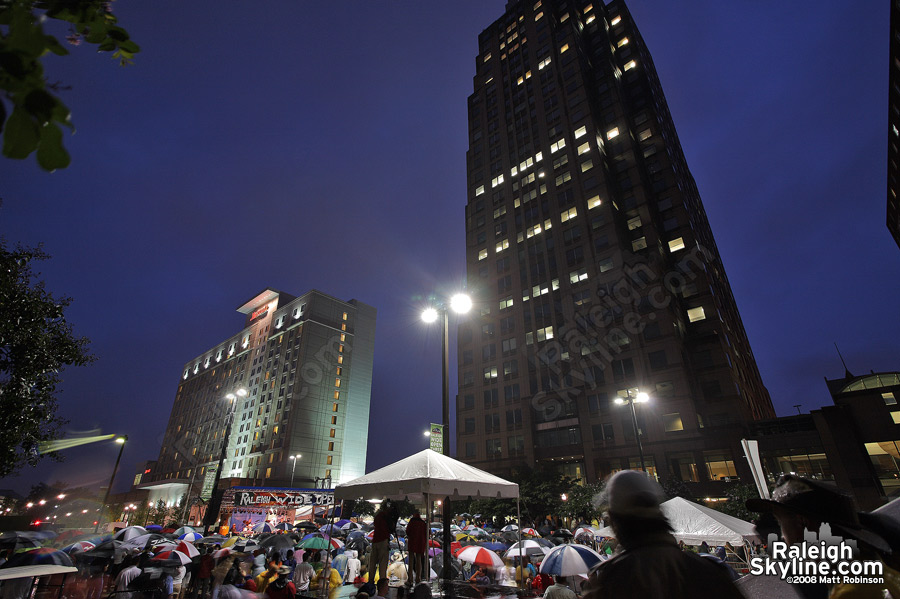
<point>445,571</point>
<point>519,535</point>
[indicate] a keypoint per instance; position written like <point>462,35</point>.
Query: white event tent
<point>694,523</point>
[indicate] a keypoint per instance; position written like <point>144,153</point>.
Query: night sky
<point>322,145</point>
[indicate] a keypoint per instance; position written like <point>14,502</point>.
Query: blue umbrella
<point>494,546</point>
<point>570,560</point>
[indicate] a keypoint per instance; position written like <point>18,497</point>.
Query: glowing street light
<point>121,441</point>
<point>293,459</point>
<point>215,502</point>
<point>635,396</point>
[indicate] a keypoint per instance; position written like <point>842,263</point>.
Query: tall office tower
<point>590,255</point>
<point>893,202</point>
<point>300,373</point>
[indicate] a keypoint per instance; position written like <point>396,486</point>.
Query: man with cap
<point>650,565</point>
<point>800,504</point>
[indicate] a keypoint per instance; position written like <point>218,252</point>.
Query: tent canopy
<point>694,523</point>
<point>427,473</point>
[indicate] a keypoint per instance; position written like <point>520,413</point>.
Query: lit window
<point>331,434</point>
<point>507,303</point>
<point>479,190</point>
<point>634,223</point>
<point>622,42</point>
<point>499,211</point>
<point>589,20</point>
<point>502,246</point>
<point>343,337</point>
<point>639,244</point>
<point>580,131</point>
<point>594,202</point>
<point>578,276</point>
<point>587,165</point>
<point>345,316</point>
<point>538,16</point>
<point>614,132</point>
<point>337,394</point>
<point>566,176</point>
<point>567,214</point>
<point>537,5</point>
<point>584,148</point>
<point>630,65</point>
<point>895,416</point>
<point>889,399</point>
<point>497,180</point>
<point>545,334</point>
<point>487,57</point>
<point>564,48</point>
<point>644,135</point>
<point>483,254</point>
<point>337,382</point>
<point>588,8</point>
<point>696,314</point>
<point>328,460</point>
<point>490,373</point>
<point>564,18</point>
<point>672,422</point>
<point>676,244</point>
<point>334,407</point>
<point>615,21</point>
<point>543,63</point>
<point>558,145</point>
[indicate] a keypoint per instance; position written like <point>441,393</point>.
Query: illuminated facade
<point>301,373</point>
<point>592,264</point>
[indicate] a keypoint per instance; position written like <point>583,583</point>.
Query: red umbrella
<point>480,556</point>
<point>172,555</point>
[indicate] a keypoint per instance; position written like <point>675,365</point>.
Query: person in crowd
<point>523,574</point>
<point>290,562</point>
<point>204,573</point>
<point>650,565</point>
<point>559,590</point>
<point>541,582</point>
<point>396,572</point>
<point>271,572</point>
<point>178,581</point>
<point>259,562</point>
<point>381,588</point>
<point>303,574</point>
<point>417,544</point>
<point>328,582</point>
<point>339,563</point>
<point>800,505</point>
<point>282,587</point>
<point>126,575</point>
<point>353,567</point>
<point>378,558</point>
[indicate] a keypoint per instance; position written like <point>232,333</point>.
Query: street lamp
<point>212,510</point>
<point>121,441</point>
<point>293,459</point>
<point>459,303</point>
<point>635,396</point>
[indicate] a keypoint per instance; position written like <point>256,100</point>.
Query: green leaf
<point>117,33</point>
<point>21,136</point>
<point>51,154</point>
<point>40,105</point>
<point>106,46</point>
<point>130,47</point>
<point>95,35</point>
<point>54,46</point>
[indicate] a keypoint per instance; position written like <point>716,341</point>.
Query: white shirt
<point>559,591</point>
<point>353,566</point>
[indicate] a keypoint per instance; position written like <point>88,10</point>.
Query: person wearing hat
<point>650,564</point>
<point>800,505</point>
<point>282,587</point>
<point>266,578</point>
<point>396,572</point>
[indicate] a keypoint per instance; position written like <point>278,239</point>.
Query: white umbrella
<point>130,532</point>
<point>525,548</point>
<point>188,549</point>
<point>509,527</point>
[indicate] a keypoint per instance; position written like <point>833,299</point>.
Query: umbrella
<point>320,543</point>
<point>509,527</point>
<point>264,527</point>
<point>191,537</point>
<point>130,532</point>
<point>69,536</point>
<point>570,560</point>
<point>184,530</point>
<point>583,532</point>
<point>278,542</point>
<point>245,545</point>
<point>78,547</point>
<point>307,525</point>
<point>231,541</point>
<point>210,540</point>
<point>106,549</point>
<point>433,551</point>
<point>188,549</point>
<point>563,533</point>
<point>493,546</point>
<point>526,547</point>
<point>530,532</point>
<point>43,556</point>
<point>284,526</point>
<point>171,556</point>
<point>480,557</point>
<point>350,526</point>
<point>472,527</point>
<point>17,541</point>
<point>154,528</point>
<point>221,553</point>
<point>145,540</point>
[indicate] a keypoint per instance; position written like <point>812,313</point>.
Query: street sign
<point>437,437</point>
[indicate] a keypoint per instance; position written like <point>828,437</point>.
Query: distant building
<point>893,167</point>
<point>855,443</point>
<point>592,264</point>
<point>300,372</point>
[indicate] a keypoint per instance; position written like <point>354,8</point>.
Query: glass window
<point>672,422</point>
<point>685,465</point>
<point>889,399</point>
<point>676,244</point>
<point>696,314</point>
<point>719,465</point>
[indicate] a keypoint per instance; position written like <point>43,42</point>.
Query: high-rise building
<point>893,202</point>
<point>298,380</point>
<point>593,264</point>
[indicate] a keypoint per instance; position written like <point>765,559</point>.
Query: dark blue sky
<point>322,145</point>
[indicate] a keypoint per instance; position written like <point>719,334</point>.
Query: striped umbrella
<point>129,532</point>
<point>479,556</point>
<point>570,560</point>
<point>188,549</point>
<point>530,532</point>
<point>78,547</point>
<point>191,537</point>
<point>264,527</point>
<point>183,530</point>
<point>172,555</point>
<point>246,545</point>
<point>284,526</point>
<point>509,527</point>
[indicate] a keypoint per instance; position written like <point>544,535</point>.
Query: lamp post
<point>215,502</point>
<point>459,303</point>
<point>121,441</point>
<point>293,459</point>
<point>634,396</point>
